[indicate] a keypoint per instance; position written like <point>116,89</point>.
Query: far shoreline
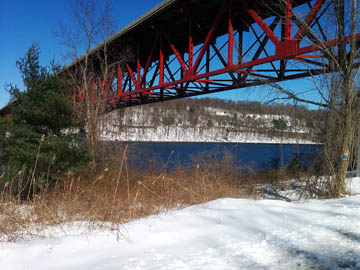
<point>218,142</point>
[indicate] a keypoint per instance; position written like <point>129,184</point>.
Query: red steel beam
<point>312,14</point>
<point>119,81</point>
<point>288,15</point>
<point>138,67</point>
<point>191,45</point>
<point>74,97</point>
<point>161,66</point>
<point>231,40</point>
<point>209,36</point>
<point>148,62</point>
<point>132,75</point>
<point>264,27</point>
<point>177,54</point>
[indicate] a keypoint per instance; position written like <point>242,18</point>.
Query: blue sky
<point>23,22</point>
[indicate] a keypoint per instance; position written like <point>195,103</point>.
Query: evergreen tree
<point>41,137</point>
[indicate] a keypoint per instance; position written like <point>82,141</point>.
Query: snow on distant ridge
<point>140,126</point>
<point>181,134</point>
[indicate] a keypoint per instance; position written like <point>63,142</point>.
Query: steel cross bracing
<point>245,45</point>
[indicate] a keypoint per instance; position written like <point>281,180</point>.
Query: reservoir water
<point>156,155</point>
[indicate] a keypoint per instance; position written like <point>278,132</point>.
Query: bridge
<point>185,48</point>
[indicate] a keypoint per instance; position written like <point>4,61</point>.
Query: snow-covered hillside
<point>208,125</point>
<point>222,234</point>
<point>186,134</point>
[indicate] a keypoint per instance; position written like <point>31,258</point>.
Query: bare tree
<point>336,88</point>
<point>91,23</point>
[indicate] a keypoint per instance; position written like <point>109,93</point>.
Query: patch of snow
<point>219,112</point>
<point>270,117</point>
<point>222,234</point>
<point>294,190</point>
<point>353,185</point>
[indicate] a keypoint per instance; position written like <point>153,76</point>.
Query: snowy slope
<point>222,234</point>
<point>186,134</point>
<point>168,125</point>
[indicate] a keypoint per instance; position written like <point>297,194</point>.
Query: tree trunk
<point>347,136</point>
<point>338,187</point>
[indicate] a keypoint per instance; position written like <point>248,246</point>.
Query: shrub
<point>40,139</point>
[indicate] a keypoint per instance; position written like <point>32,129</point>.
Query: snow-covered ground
<point>222,234</point>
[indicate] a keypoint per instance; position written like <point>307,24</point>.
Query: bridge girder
<point>197,47</point>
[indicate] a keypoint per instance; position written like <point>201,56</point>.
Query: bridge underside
<point>185,48</point>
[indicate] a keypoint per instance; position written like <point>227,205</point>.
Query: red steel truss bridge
<point>185,48</point>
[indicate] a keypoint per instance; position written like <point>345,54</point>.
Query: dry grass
<point>112,197</point>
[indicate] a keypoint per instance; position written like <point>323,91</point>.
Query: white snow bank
<point>223,234</point>
<point>294,190</point>
<point>353,185</point>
